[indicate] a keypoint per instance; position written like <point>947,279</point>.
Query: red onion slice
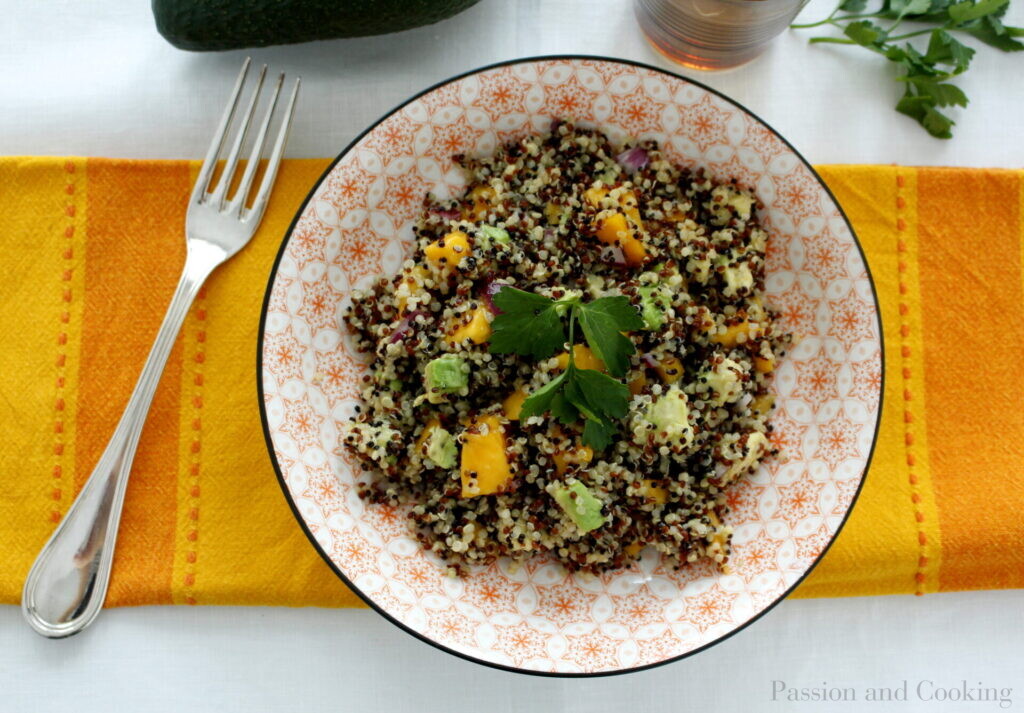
<point>493,288</point>
<point>613,254</point>
<point>633,159</point>
<point>404,326</point>
<point>446,213</point>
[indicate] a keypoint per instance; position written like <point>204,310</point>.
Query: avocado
<point>579,504</point>
<point>654,301</point>
<point>670,415</point>
<point>445,375</point>
<point>489,233</point>
<point>204,25</point>
<point>441,448</point>
<point>724,380</point>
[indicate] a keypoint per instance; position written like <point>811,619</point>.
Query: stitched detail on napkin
<point>67,295</point>
<point>906,353</point>
<point>195,449</point>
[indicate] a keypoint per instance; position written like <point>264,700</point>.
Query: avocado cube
<point>441,448</point>
<point>446,375</point>
<point>580,505</point>
<point>490,233</point>
<point>652,306</point>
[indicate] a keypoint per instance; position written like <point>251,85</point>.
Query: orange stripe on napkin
<point>971,299</point>
<point>135,252</point>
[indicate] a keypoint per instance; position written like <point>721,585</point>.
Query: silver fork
<point>68,582</point>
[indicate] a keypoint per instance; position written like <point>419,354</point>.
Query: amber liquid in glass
<point>714,34</point>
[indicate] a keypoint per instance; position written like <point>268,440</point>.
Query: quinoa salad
<point>576,360</point>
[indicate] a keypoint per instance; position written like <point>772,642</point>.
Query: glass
<point>714,34</point>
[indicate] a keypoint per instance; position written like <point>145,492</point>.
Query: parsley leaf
<point>533,325</point>
<point>992,32</point>
<point>970,10</point>
<point>944,48</point>
<point>598,397</point>
<point>864,33</point>
<point>606,396</point>
<point>597,434</point>
<point>563,410</point>
<point>925,75</point>
<point>529,325</point>
<point>541,400</point>
<point>603,322</point>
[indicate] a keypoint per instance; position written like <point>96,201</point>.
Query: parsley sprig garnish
<point>536,326</point>
<point>926,75</point>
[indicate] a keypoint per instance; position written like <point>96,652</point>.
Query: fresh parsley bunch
<point>925,74</point>
<point>536,326</point>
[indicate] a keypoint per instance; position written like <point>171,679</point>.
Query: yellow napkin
<point>92,249</point>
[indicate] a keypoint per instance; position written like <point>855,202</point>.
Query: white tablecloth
<point>95,79</point>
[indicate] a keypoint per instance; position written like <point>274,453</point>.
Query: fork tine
<point>231,162</point>
<point>210,162</point>
<point>237,204</point>
<point>260,203</point>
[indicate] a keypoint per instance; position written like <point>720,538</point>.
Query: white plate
<point>356,223</point>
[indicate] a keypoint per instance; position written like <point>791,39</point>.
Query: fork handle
<point>68,582</point>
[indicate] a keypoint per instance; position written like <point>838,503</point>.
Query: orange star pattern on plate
<point>763,141</point>
<point>816,380</point>
<point>360,254</point>
<point>797,194</point>
<point>810,546</point>
<point>852,320</point>
<point>339,374</point>
<point>659,648</point>
<point>281,356</point>
<point>637,609</point>
<point>787,435</point>
<point>867,380</point>
<point>502,93</point>
<point>592,651</point>
<point>757,556</point>
<point>320,303</point>
<point>743,499</point>
<point>454,138</point>
<point>309,238</point>
<point>569,99</point>
<point>709,608</point>
<point>826,257</point>
<point>393,138</point>
<point>346,187</point>
<point>448,626</point>
<point>491,591</point>
<point>323,489</point>
<point>638,113</point>
<point>357,553</point>
<point>564,604</point>
<point>419,575</point>
<point>704,123</point>
<point>302,423</point>
<point>845,491</point>
<point>796,310</point>
<point>405,193</point>
<point>798,500</point>
<point>521,642</point>
<point>837,440</point>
